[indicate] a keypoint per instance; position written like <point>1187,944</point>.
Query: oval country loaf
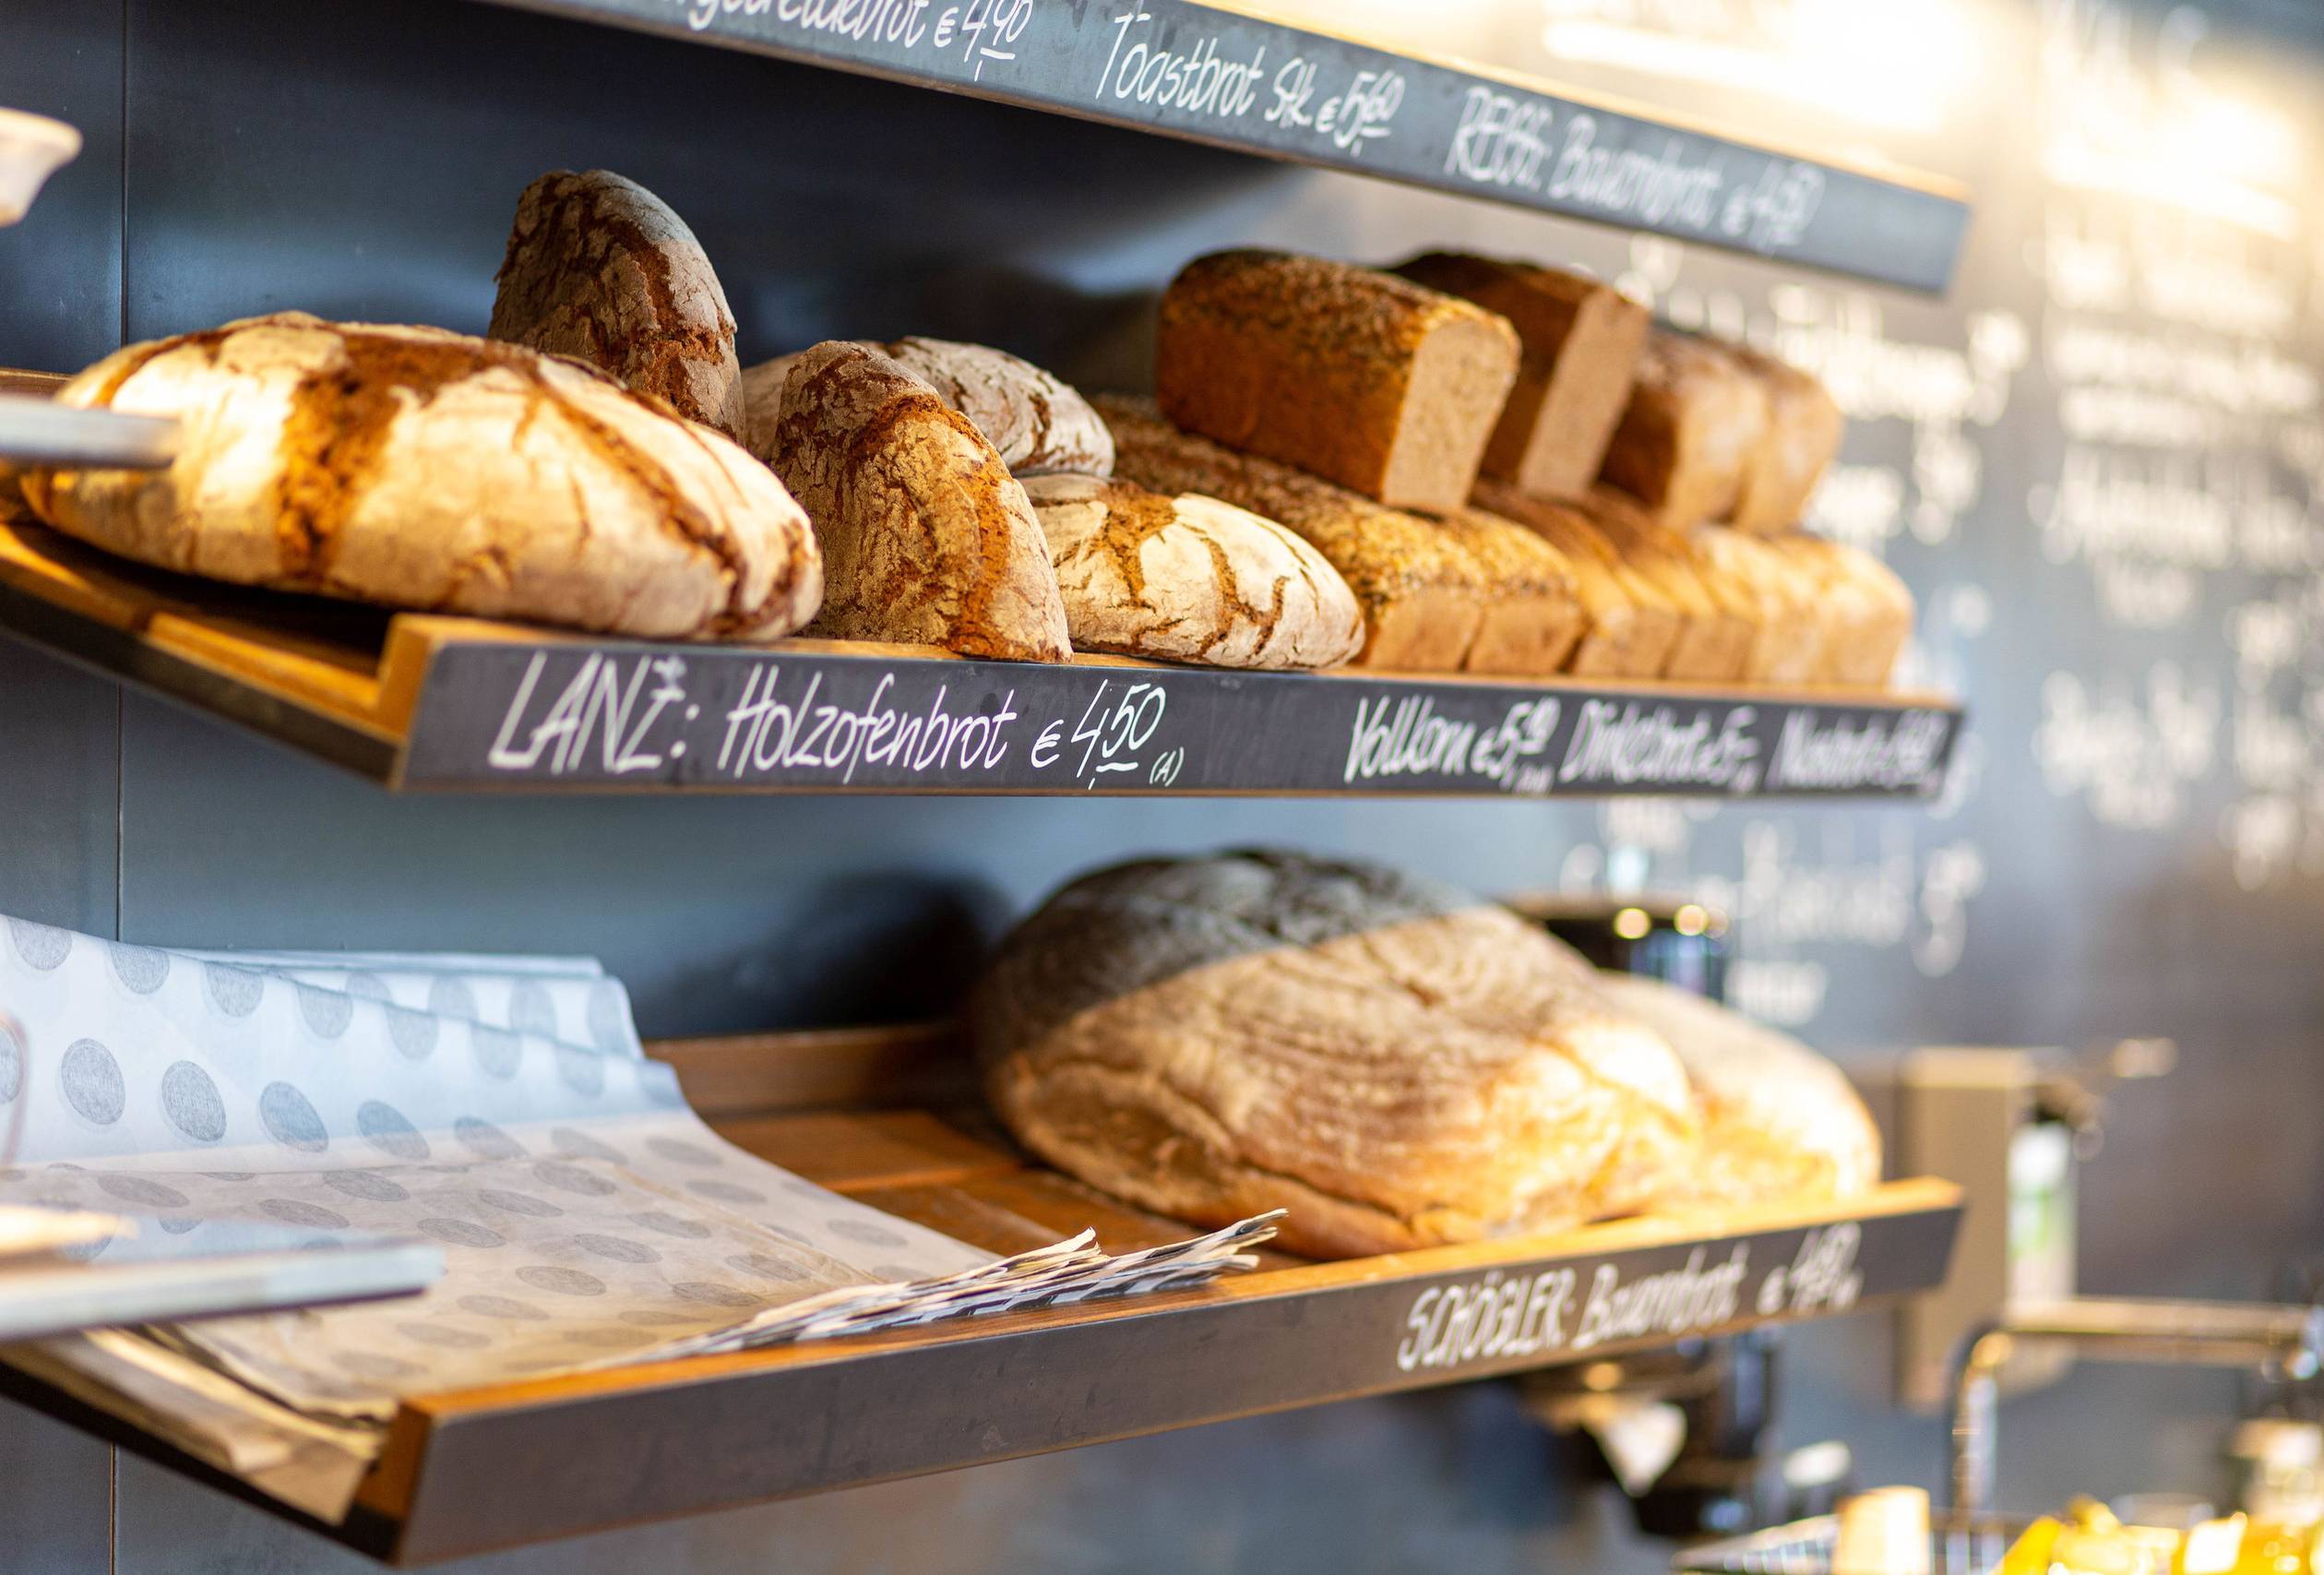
<point>1368,381</point>
<point>926,537</point>
<point>1190,579</point>
<point>1778,1121</point>
<point>600,268</point>
<point>1423,596</point>
<point>1397,1064</point>
<point>1034,421</point>
<point>421,469</point>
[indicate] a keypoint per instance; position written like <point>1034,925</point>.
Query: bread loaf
<point>1788,645</point>
<point>926,537</point>
<point>599,269</point>
<point>1718,621</point>
<point>1363,379</point>
<point>1779,1123</point>
<point>1692,428</point>
<point>1632,625</point>
<point>422,469</point>
<point>1190,579</point>
<point>1533,616</point>
<point>1868,612</point>
<point>1423,597</point>
<point>1035,422</point>
<point>1804,430</point>
<point>1581,342</point>
<point>762,404</point>
<point>1396,1064</point>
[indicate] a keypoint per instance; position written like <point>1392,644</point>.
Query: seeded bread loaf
<point>1423,596</point>
<point>1804,430</point>
<point>1362,378</point>
<point>1581,342</point>
<point>417,468</point>
<point>1718,621</point>
<point>601,269</point>
<point>1397,1064</point>
<point>1692,428</point>
<point>1632,626</point>
<point>926,537</point>
<point>1868,612</point>
<point>1190,579</point>
<point>1533,617</point>
<point>1779,1123</point>
<point>1788,647</point>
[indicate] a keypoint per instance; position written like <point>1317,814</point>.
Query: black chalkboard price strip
<point>1211,74</point>
<point>815,717</point>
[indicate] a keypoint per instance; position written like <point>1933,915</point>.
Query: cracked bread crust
<point>1399,1064</point>
<point>926,537</point>
<point>1190,579</point>
<point>601,269</point>
<point>428,470</point>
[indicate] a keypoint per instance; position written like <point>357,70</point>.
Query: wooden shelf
<point>465,1473</point>
<point>420,703</point>
<point>1220,75</point>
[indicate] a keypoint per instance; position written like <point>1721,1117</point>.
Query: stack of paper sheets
<point>501,1108</point>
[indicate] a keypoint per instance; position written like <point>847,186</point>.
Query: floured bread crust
<point>428,470</point>
<point>1779,1122</point>
<point>600,268</point>
<point>926,537</point>
<point>1396,1063</point>
<point>1190,579</point>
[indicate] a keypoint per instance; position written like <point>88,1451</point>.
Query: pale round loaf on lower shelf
<point>1190,579</point>
<point>1397,1064</point>
<point>421,469</point>
<point>1779,1120</point>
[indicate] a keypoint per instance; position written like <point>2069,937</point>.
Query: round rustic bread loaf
<point>422,469</point>
<point>1779,1120</point>
<point>1396,1063</point>
<point>1190,579</point>
<point>600,268</point>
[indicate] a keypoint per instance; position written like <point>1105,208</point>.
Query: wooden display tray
<point>1233,77</point>
<point>469,1471</point>
<point>423,702</point>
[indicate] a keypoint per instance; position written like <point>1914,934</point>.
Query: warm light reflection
<point>1900,64</point>
<point>1631,923</point>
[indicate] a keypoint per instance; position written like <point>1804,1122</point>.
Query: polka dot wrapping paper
<point>585,1215</point>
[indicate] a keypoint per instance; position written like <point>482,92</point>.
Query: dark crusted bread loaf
<point>417,468</point>
<point>1365,380</point>
<point>1804,430</point>
<point>1690,433</point>
<point>601,269</point>
<point>1396,1063</point>
<point>926,537</point>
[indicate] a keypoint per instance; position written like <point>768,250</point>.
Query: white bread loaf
<point>1719,622</point>
<point>1534,613</point>
<point>1866,610</point>
<point>926,537</point>
<point>1422,595</point>
<point>1789,645</point>
<point>1581,342</point>
<point>1631,625</point>
<point>1365,380</point>
<point>1397,1064</point>
<point>601,269</point>
<point>418,468</point>
<point>1190,579</point>
<point>1778,1121</point>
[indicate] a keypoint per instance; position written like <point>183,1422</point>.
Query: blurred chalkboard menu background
<point>2099,462</point>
